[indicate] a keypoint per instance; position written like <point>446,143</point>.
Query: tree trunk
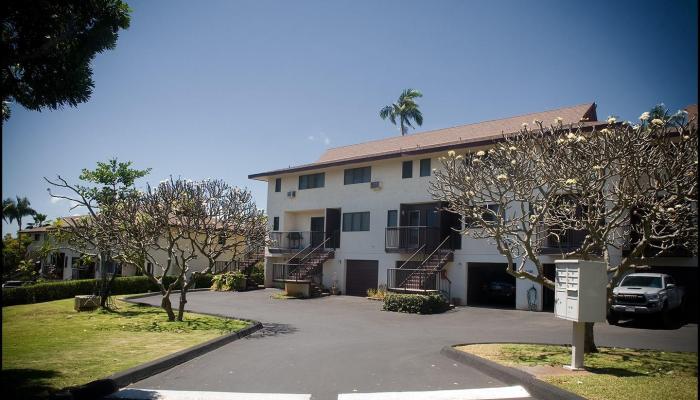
<point>168,307</point>
<point>589,340</point>
<point>183,301</point>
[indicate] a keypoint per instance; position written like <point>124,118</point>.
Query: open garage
<point>361,275</point>
<point>488,284</point>
<point>687,277</point>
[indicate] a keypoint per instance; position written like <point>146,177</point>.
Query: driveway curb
<point>143,371</point>
<point>536,387</point>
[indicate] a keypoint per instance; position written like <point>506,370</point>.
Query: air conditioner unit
<point>375,185</point>
<point>292,193</point>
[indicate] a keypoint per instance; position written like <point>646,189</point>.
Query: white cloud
<point>322,137</point>
<point>55,200</point>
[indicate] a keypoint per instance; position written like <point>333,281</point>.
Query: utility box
<point>580,290</point>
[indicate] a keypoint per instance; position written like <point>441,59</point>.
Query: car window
<point>645,281</point>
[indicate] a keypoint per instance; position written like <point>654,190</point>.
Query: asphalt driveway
<point>343,344</point>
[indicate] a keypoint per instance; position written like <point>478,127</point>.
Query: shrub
<point>257,276</point>
<point>228,281</point>
<point>378,293</point>
<point>415,303</point>
<point>49,291</point>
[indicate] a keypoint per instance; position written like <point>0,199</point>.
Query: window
<point>37,236</point>
<point>278,185</point>
<point>312,181</point>
<point>276,223</point>
<point>407,169</point>
<point>392,218</point>
<point>425,167</point>
<point>222,239</point>
<point>358,175</point>
<point>149,268</point>
<point>358,221</point>
<point>489,213</point>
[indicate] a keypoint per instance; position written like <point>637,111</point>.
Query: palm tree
<point>39,219</point>
<point>9,210</point>
<point>405,109</point>
<point>23,209</point>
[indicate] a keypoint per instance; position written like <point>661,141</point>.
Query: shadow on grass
<point>24,383</point>
<point>618,372</point>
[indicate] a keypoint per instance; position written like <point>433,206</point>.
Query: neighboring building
<point>360,212</point>
<point>65,262</point>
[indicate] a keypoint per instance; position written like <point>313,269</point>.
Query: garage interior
<point>488,284</point>
<point>687,277</point>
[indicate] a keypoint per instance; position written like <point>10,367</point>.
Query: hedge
<point>415,303</point>
<point>49,291</point>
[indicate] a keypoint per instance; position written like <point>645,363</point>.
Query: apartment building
<point>361,216</point>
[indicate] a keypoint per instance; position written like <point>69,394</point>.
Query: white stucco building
<point>366,210</point>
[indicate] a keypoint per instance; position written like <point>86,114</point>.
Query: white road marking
<point>509,392</point>
<point>148,394</point>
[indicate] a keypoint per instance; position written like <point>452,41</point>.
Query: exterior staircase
<point>310,264</point>
<point>428,276</point>
<point>423,277</point>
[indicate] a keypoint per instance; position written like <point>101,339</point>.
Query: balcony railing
<point>567,241</point>
<point>293,241</point>
<point>411,238</point>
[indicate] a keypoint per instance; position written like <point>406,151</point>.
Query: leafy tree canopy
<point>47,48</point>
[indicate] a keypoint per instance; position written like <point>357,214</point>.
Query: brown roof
<point>458,136</point>
<point>692,110</point>
<point>48,227</point>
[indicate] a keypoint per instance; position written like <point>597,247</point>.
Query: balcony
<point>294,241</point>
<point>568,241</point>
<point>408,239</point>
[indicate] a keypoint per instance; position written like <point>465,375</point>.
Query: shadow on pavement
<point>272,329</point>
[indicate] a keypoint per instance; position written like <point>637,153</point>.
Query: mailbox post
<point>580,296</point>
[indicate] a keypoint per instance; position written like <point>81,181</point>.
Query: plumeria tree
<point>178,221</point>
<point>93,233</point>
<point>615,191</point>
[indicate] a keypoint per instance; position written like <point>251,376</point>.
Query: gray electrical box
<point>580,290</point>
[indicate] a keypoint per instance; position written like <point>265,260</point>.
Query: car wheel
<point>613,318</point>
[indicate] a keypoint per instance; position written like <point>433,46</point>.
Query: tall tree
<point>48,47</point>
<point>16,210</point>
<point>616,188</point>
<point>95,234</point>
<point>39,220</point>
<point>9,210</point>
<point>405,109</point>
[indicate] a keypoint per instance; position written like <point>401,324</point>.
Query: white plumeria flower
<point>560,140</point>
<point>657,121</point>
<point>524,125</point>
<point>480,153</point>
<point>502,178</point>
<point>512,162</point>
<point>536,121</point>
<point>476,161</point>
<point>533,218</point>
<point>558,120</point>
<point>571,181</point>
<point>597,167</point>
<point>612,120</point>
<point>645,116</point>
<point>492,151</point>
<point>605,131</point>
<point>512,148</point>
<point>451,153</point>
<point>580,139</point>
<point>459,157</point>
<point>636,127</point>
<point>571,136</point>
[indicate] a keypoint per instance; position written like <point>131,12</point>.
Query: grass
<point>49,346</point>
<point>616,373</point>
<point>284,296</point>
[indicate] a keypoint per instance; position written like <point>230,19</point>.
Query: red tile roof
<point>458,136</point>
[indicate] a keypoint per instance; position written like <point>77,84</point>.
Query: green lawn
<point>51,346</point>
<point>616,373</point>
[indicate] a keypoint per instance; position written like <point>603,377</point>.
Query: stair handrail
<point>301,261</point>
<point>436,249</point>
<point>411,257</point>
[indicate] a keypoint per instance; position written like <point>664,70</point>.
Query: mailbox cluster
<point>579,290</point>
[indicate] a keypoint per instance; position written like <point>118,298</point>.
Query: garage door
<point>361,275</point>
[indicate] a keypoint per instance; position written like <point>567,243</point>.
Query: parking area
<point>346,344</point>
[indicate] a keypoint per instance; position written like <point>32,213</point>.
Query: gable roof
<point>436,140</point>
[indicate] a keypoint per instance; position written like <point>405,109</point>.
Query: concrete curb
<point>143,371</point>
<point>537,388</point>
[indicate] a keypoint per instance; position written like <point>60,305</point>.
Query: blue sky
<point>223,89</point>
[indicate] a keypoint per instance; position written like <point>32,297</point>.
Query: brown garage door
<point>361,275</point>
